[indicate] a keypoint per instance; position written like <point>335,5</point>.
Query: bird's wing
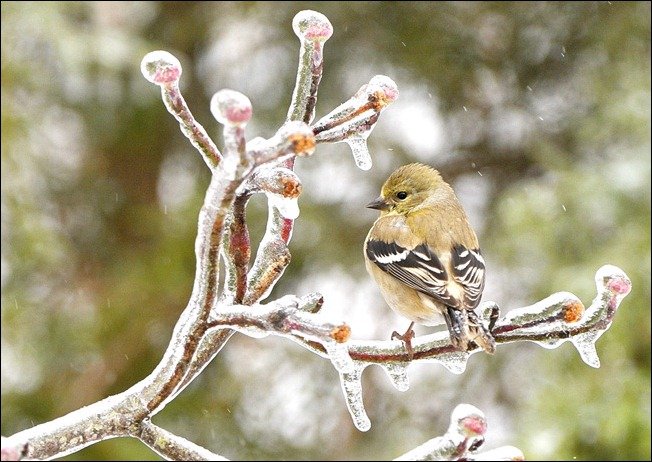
<point>418,268</point>
<point>421,269</point>
<point>468,271</point>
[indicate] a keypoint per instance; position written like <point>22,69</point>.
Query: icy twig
<point>236,252</point>
<point>550,322</point>
<point>558,318</point>
<point>164,70</point>
<point>352,121</point>
<point>173,447</point>
<point>288,316</point>
<point>461,441</point>
<point>465,433</point>
<point>313,29</point>
<point>292,139</point>
<point>233,110</point>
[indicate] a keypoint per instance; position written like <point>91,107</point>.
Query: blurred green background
<point>538,114</point>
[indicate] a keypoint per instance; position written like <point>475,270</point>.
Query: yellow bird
<point>425,257</point>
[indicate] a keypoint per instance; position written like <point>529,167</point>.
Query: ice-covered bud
<point>160,67</point>
<point>230,107</point>
<point>614,279</point>
<point>299,137</point>
<point>468,421</point>
<point>572,311</point>
<point>382,90</point>
<point>279,180</point>
<point>312,26</point>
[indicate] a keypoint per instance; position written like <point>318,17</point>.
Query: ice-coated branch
<point>462,439</point>
<point>173,447</point>
<point>236,252</point>
<point>313,29</point>
<point>164,70</point>
<point>465,433</point>
<point>233,110</point>
<point>559,318</point>
<point>288,316</point>
<point>292,139</point>
<point>352,121</point>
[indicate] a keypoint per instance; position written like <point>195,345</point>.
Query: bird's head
<point>407,188</point>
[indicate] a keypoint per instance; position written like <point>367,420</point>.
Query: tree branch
<point>173,447</point>
<point>559,318</point>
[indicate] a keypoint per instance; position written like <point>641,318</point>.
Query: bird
<point>425,257</point>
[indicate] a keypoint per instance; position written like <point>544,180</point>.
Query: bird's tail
<point>466,327</point>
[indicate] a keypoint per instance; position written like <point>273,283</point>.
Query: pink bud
<point>311,25</point>
<point>160,67</point>
<point>230,107</point>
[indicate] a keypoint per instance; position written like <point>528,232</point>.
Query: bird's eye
<point>401,195</point>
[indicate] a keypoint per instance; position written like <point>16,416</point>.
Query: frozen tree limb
<point>173,447</point>
<point>352,121</point>
<point>163,69</point>
<point>313,29</point>
<point>558,318</point>
<point>287,316</point>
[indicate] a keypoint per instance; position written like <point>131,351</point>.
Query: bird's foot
<point>406,338</point>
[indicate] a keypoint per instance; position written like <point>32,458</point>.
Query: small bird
<point>425,257</point>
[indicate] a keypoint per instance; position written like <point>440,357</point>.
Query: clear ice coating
<point>352,388</point>
<point>288,207</point>
<point>160,67</point>
<point>252,332</point>
<point>388,86</point>
<point>455,361</point>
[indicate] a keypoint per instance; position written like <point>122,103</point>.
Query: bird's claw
<point>406,338</point>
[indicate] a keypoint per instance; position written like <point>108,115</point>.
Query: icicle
<point>455,362</point>
<point>352,388</point>
<point>358,145</point>
<point>397,372</point>
<point>585,345</point>
<point>352,121</point>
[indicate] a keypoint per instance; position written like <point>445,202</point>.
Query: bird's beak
<point>379,204</point>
